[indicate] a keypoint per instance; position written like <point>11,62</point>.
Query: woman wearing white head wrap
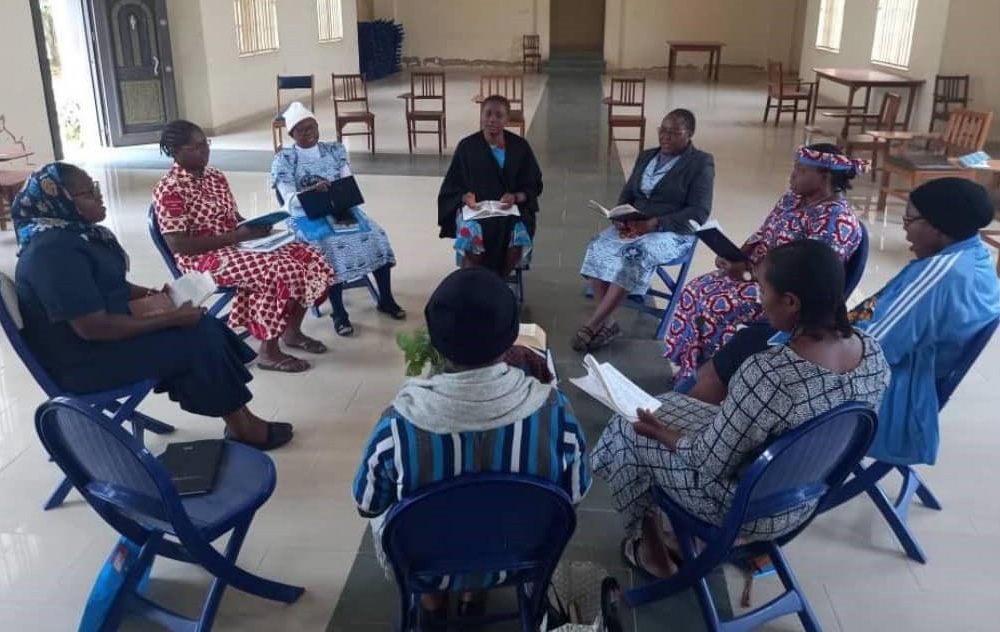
<point>313,164</point>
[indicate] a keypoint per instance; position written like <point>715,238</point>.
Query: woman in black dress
<point>74,300</point>
<point>491,165</point>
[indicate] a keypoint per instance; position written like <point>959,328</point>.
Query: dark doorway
<point>577,26</point>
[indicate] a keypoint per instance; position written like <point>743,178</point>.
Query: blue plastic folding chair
<point>479,523</point>
<point>130,490</point>
<point>225,294</point>
<point>854,269</point>
<point>363,282</point>
<point>646,303</point>
<point>117,404</point>
<point>867,477</point>
<point>804,464</point>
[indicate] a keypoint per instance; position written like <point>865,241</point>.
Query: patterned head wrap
<point>833,162</point>
<point>45,204</point>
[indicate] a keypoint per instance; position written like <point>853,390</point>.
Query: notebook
<point>193,465</point>
<point>341,196</point>
<point>711,233</point>
<point>609,386</point>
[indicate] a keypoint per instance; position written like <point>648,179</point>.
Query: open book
<point>533,337</point>
<point>195,287</point>
<point>609,386</point>
<point>621,213</point>
<point>711,233</point>
<point>270,243</point>
<point>270,219</point>
<point>488,209</point>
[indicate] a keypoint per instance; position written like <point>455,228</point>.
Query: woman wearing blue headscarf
<point>74,300</point>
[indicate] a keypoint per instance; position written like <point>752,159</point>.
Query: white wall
<point>970,47</point>
<point>753,30</point>
<point>219,90</point>
<point>467,29</point>
<point>856,48</point>
<point>22,100</point>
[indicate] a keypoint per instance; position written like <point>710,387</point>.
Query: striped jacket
<point>922,319</point>
<point>400,458</point>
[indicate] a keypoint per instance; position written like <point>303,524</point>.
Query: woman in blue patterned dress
<point>713,306</point>
<point>353,255</point>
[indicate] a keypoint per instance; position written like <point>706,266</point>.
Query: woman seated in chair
<point>487,415</point>
<point>670,185</point>
<point>495,165</point>
<point>74,300</point>
<point>352,252</point>
<point>695,451</point>
<point>196,212</point>
<point>713,305</point>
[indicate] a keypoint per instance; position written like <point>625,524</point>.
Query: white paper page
<point>624,394</point>
<point>192,286</point>
<point>488,209</point>
<point>592,386</point>
<point>267,244</point>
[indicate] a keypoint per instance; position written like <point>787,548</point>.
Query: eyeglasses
<point>94,192</point>
<point>909,219</point>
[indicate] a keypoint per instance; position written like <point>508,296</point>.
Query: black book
<point>193,465</point>
<point>711,233</point>
<point>337,201</point>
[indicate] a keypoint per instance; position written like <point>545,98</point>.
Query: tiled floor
<point>854,573</point>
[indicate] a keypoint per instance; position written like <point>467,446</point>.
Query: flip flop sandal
<point>393,311</point>
<point>604,337</point>
<point>630,556</point>
<point>278,434</point>
<point>581,339</point>
<point>343,327</point>
<point>308,345</point>
<point>287,364</point>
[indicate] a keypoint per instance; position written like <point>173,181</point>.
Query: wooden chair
<point>531,52</point>
<point>884,121</point>
<point>788,94</point>
<point>289,82</point>
<point>966,133</point>
<point>426,88</point>
<point>627,94</point>
<point>509,86</point>
<point>353,89</point>
<point>949,90</point>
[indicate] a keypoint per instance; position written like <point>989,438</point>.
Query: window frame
<point>899,62</point>
<point>334,9</point>
<point>830,11</point>
<point>248,9</point>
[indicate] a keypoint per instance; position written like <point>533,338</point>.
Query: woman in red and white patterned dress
<point>197,214</point>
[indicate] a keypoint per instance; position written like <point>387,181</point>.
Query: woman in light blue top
<point>354,252</point>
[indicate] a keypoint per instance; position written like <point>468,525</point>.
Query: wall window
<point>256,26</point>
<point>831,23</point>
<point>894,32</point>
<point>331,24</point>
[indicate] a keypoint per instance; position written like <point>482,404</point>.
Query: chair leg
<point>116,610</point>
<point>444,131</point>
<point>767,108</point>
<point>59,495</point>
<point>372,135</point>
<point>883,192</point>
<point>409,136</point>
<point>897,520</point>
<point>806,615</point>
<point>923,492</point>
<point>371,289</point>
<point>211,605</point>
<point>642,138</point>
<point>777,111</point>
<point>611,137</point>
<point>440,138</point>
<point>153,425</point>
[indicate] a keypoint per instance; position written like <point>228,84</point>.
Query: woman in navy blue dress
<point>74,300</point>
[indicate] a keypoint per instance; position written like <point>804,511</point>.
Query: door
<point>135,69</point>
<point>577,26</point>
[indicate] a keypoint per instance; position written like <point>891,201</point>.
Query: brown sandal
<point>605,336</point>
<point>581,340</point>
<point>288,364</point>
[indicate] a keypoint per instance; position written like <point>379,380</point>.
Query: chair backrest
<point>115,473</point>
<point>349,89</point>
<point>479,522</point>
<point>531,44</point>
<point>295,82</point>
<point>888,112</point>
<point>160,242</point>
<point>951,89</point>
<point>806,462</point>
<point>855,267</point>
<point>509,86</point>
<point>12,323</point>
<point>947,384</point>
<point>627,92</point>
<point>427,86</point>
<point>966,132</point>
<point>775,78</point>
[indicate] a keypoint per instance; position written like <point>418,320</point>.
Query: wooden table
<point>857,79</point>
<point>11,182</point>
<point>714,50</point>
<point>7,155</point>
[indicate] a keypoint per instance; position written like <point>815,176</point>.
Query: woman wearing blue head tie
<point>74,301</point>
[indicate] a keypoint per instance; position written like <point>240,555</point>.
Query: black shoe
<point>342,325</point>
<point>278,434</point>
<point>393,310</point>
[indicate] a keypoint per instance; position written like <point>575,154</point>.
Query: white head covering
<point>295,114</point>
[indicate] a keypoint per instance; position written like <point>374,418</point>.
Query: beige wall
<point>467,29</point>
<point>753,30</point>
<point>22,100</point>
<point>577,25</point>
<point>970,47</point>
<point>856,48</point>
<point>219,89</point>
